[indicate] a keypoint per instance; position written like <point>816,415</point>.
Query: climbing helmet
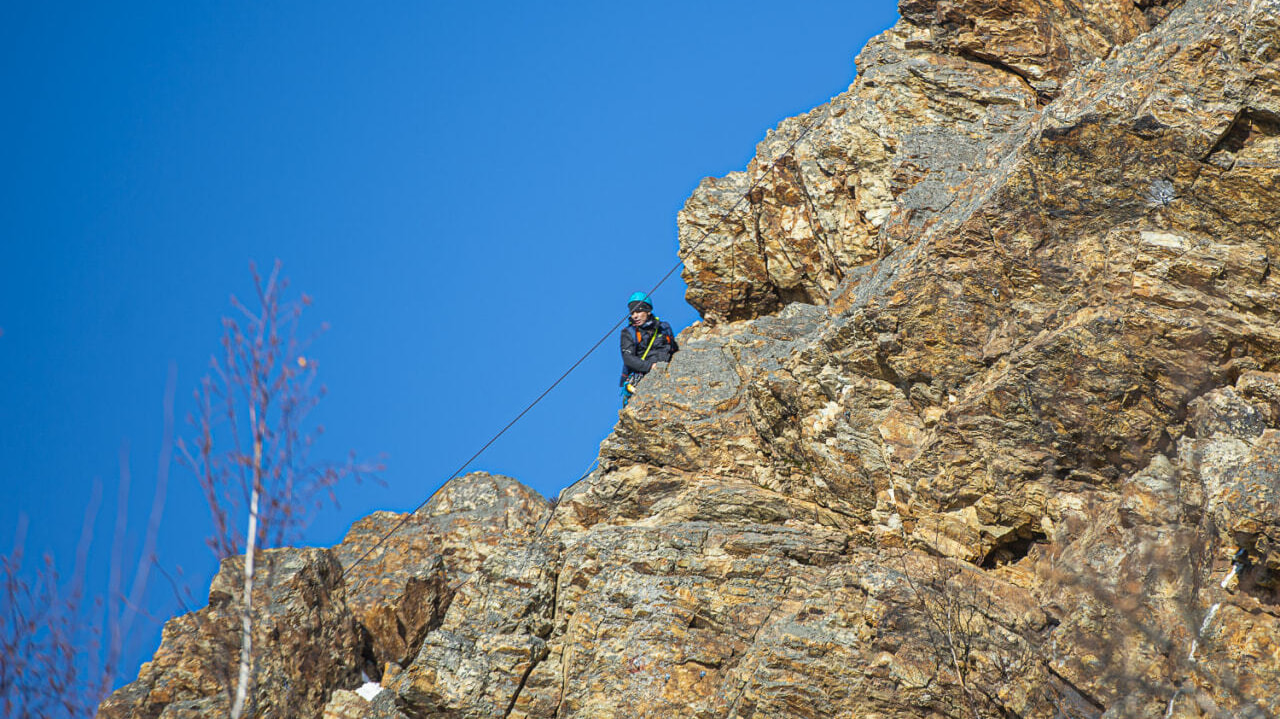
<point>637,299</point>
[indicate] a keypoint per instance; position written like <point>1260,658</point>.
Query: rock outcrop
<point>307,642</point>
<point>983,418</point>
<point>401,583</point>
<point>321,619</point>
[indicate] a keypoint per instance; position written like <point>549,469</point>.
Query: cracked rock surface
<point>308,642</point>
<point>982,418</point>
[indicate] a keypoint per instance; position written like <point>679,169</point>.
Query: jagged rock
<point>1234,461</point>
<point>936,101</point>
<point>1005,378</point>
<point>346,704</point>
<point>306,643</point>
<point>1047,324</point>
<point>375,616</point>
<point>983,419</point>
<point>650,620</point>
<point>400,589</point>
<point>492,637</point>
<point>384,706</point>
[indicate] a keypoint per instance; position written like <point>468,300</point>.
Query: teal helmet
<point>639,298</point>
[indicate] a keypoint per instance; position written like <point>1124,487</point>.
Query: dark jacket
<point>636,339</point>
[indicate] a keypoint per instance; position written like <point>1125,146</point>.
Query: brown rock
<point>983,421</point>
<point>345,704</point>
<point>492,638</point>
<point>316,629</point>
<point>1005,378</point>
<point>306,643</point>
<point>936,99</point>
<point>401,587</point>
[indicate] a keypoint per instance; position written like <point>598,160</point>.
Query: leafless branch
<point>251,446</point>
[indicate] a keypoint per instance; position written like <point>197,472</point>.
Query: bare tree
<point>251,452</point>
<point>955,613</point>
<point>62,645</point>
<point>37,636</point>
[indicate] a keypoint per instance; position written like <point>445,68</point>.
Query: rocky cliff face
<point>983,420</point>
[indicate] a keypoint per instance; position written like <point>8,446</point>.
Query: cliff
<point>983,420</point>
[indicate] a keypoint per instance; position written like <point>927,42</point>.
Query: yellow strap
<point>657,327</point>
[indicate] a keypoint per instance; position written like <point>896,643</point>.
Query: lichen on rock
<point>307,640</point>
<point>983,418</point>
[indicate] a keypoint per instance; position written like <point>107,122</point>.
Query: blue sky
<point>469,191</point>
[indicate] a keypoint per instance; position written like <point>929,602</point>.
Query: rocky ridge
<point>983,420</point>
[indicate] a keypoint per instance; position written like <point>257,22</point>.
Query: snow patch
<point>1204,627</point>
<point>1235,569</point>
<point>369,691</point>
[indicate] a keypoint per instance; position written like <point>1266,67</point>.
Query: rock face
<point>321,619</point>
<point>306,638</point>
<point>399,588</point>
<point>938,100</point>
<point>983,419</point>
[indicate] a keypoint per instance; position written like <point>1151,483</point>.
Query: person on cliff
<point>646,341</point>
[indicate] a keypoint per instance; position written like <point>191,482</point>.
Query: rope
<point>625,318</point>
<point>459,584</point>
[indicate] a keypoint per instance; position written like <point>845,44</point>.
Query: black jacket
<point>636,339</point>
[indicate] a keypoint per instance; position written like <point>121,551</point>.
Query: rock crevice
<point>983,418</point>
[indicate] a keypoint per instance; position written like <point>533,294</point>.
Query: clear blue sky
<point>468,190</point>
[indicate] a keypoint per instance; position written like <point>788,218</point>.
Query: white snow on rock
<point>369,690</point>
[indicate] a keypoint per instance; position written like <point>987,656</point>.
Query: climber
<point>647,340</point>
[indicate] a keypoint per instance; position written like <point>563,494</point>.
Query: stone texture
<point>493,636</point>
<point>1231,464</point>
<point>937,100</point>
<point>345,704</point>
<point>1029,369</point>
<point>401,589</point>
<point>305,637</point>
<point>983,418</point>
<point>323,625</point>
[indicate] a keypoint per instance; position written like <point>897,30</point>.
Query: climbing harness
<point>629,383</point>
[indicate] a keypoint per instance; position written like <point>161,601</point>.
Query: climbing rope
<point>460,583</point>
<point>625,318</point>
